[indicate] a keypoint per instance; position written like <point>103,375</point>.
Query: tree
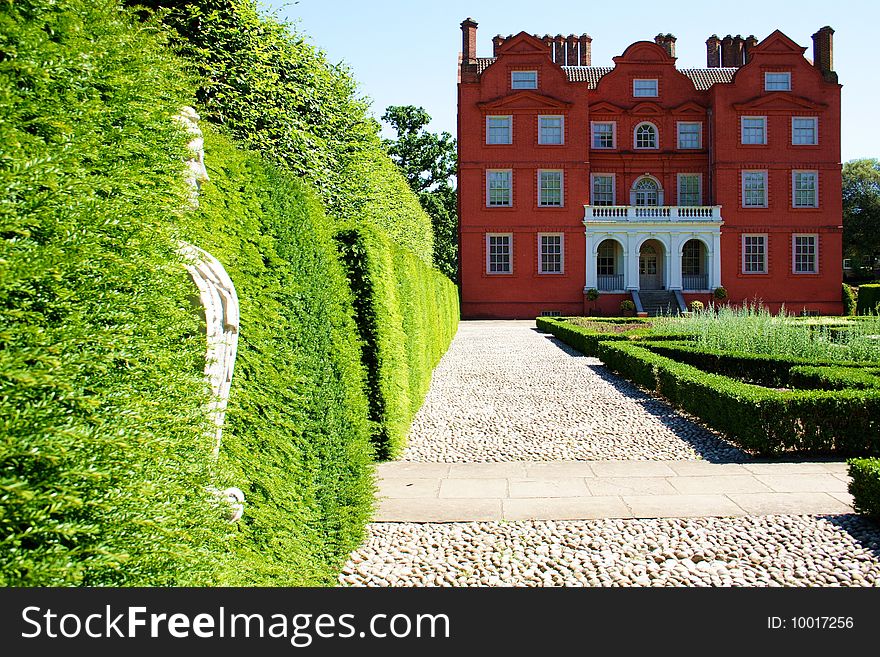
<point>428,162</point>
<point>861,211</point>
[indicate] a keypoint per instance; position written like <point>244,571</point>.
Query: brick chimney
<point>572,59</point>
<point>559,54</point>
<point>586,42</point>
<point>468,40</point>
<point>497,42</point>
<point>667,42</point>
<point>728,57</point>
<point>738,43</point>
<point>823,49</point>
<point>713,51</point>
<point>750,42</point>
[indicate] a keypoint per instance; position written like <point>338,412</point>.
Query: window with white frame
<point>605,261</point>
<point>646,192</point>
<point>604,133</point>
<point>754,254</point>
<point>777,81</point>
<point>550,253</point>
<point>805,254</point>
<point>646,135</point>
<point>754,189</point>
<point>645,88</point>
<point>692,258</point>
<point>549,188</point>
<point>689,189</point>
<point>499,253</point>
<point>499,129</point>
<point>690,134</point>
<point>603,189</point>
<point>550,130</point>
<point>754,130</point>
<point>805,131</point>
<point>523,79</point>
<point>498,187</point>
<point>804,189</point>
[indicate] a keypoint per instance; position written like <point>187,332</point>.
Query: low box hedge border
<point>865,486</point>
<point>587,341</point>
<point>835,377</point>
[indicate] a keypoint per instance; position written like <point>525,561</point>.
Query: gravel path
<point>505,392</point>
<point>747,551</point>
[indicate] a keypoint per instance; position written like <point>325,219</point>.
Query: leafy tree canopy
<point>426,159</point>
<point>861,210</point>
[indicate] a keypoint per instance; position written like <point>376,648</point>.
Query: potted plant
<point>720,293</point>
<point>592,294</point>
<point>627,308</point>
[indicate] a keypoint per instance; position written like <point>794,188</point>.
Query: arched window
<point>646,135</point>
<point>692,258</point>
<point>646,191</point>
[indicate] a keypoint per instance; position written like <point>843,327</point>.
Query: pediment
<point>523,44</point>
<point>604,107</point>
<point>778,43</point>
<point>689,107</point>
<point>524,100</point>
<point>644,51</point>
<point>646,108</point>
<point>779,101</point>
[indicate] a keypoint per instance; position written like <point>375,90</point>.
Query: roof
<point>703,78</point>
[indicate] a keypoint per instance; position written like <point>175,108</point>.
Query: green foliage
<point>720,293</point>
<point>279,96</point>
<point>868,300</point>
<point>864,486</point>
<point>697,306</point>
<point>592,294</point>
<point>627,306</point>
<point>296,434</point>
<point>753,329</point>
<point>758,419</point>
<point>407,315</point>
<point>861,211</point>
<point>849,300</point>
<point>104,461</point>
<point>834,377</point>
<point>441,205</point>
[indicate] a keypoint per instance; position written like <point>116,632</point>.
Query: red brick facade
<point>642,176</point>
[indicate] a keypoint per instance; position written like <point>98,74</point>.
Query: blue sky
<point>405,52</point>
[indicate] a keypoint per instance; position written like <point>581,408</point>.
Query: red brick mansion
<point>645,181</point>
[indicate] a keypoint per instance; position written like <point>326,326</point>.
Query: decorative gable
<point>523,44</point>
<point>778,43</point>
<point>689,108</point>
<point>525,100</point>
<point>604,107</point>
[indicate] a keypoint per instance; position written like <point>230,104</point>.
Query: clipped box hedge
<point>834,377</point>
<point>587,341</point>
<point>758,419</point>
<point>868,299</point>
<point>864,486</point>
<point>407,314</point>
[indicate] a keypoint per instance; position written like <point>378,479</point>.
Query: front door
<point>650,274</point>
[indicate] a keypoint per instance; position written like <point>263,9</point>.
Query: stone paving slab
<point>431,492</point>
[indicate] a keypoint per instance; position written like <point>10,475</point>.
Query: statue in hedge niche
<point>219,302</point>
<point>196,173</point>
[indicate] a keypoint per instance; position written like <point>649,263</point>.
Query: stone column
<point>714,259</point>
<point>674,282</point>
<point>631,262</point>
<point>591,279</point>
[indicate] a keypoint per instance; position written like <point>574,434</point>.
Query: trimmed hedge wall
<point>756,418</point>
<point>407,314</point>
<point>865,486</point>
<point>868,299</point>
<point>587,341</point>
<point>296,438</point>
<point>104,459</point>
<point>835,377</point>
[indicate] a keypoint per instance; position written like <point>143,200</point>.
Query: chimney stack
<point>727,52</point>
<point>667,42</point>
<point>823,49</point>
<point>572,58</point>
<point>713,51</point>
<point>497,42</point>
<point>559,53</point>
<point>586,42</point>
<point>468,40</point>
<point>738,50</point>
<point>748,44</point>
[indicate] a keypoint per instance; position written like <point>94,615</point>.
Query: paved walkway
<point>441,492</point>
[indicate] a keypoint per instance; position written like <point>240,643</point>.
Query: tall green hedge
<point>407,314</point>
<point>868,299</point>
<point>103,457</point>
<point>296,436</point>
<point>280,96</point>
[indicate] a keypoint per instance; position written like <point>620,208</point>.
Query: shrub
<point>756,418</point>
<point>104,459</point>
<point>864,486</point>
<point>849,300</point>
<point>296,436</point>
<point>592,294</point>
<point>696,306</point>
<point>720,293</point>
<point>868,300</point>
<point>406,314</point>
<point>627,306</point>
<point>834,377</point>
